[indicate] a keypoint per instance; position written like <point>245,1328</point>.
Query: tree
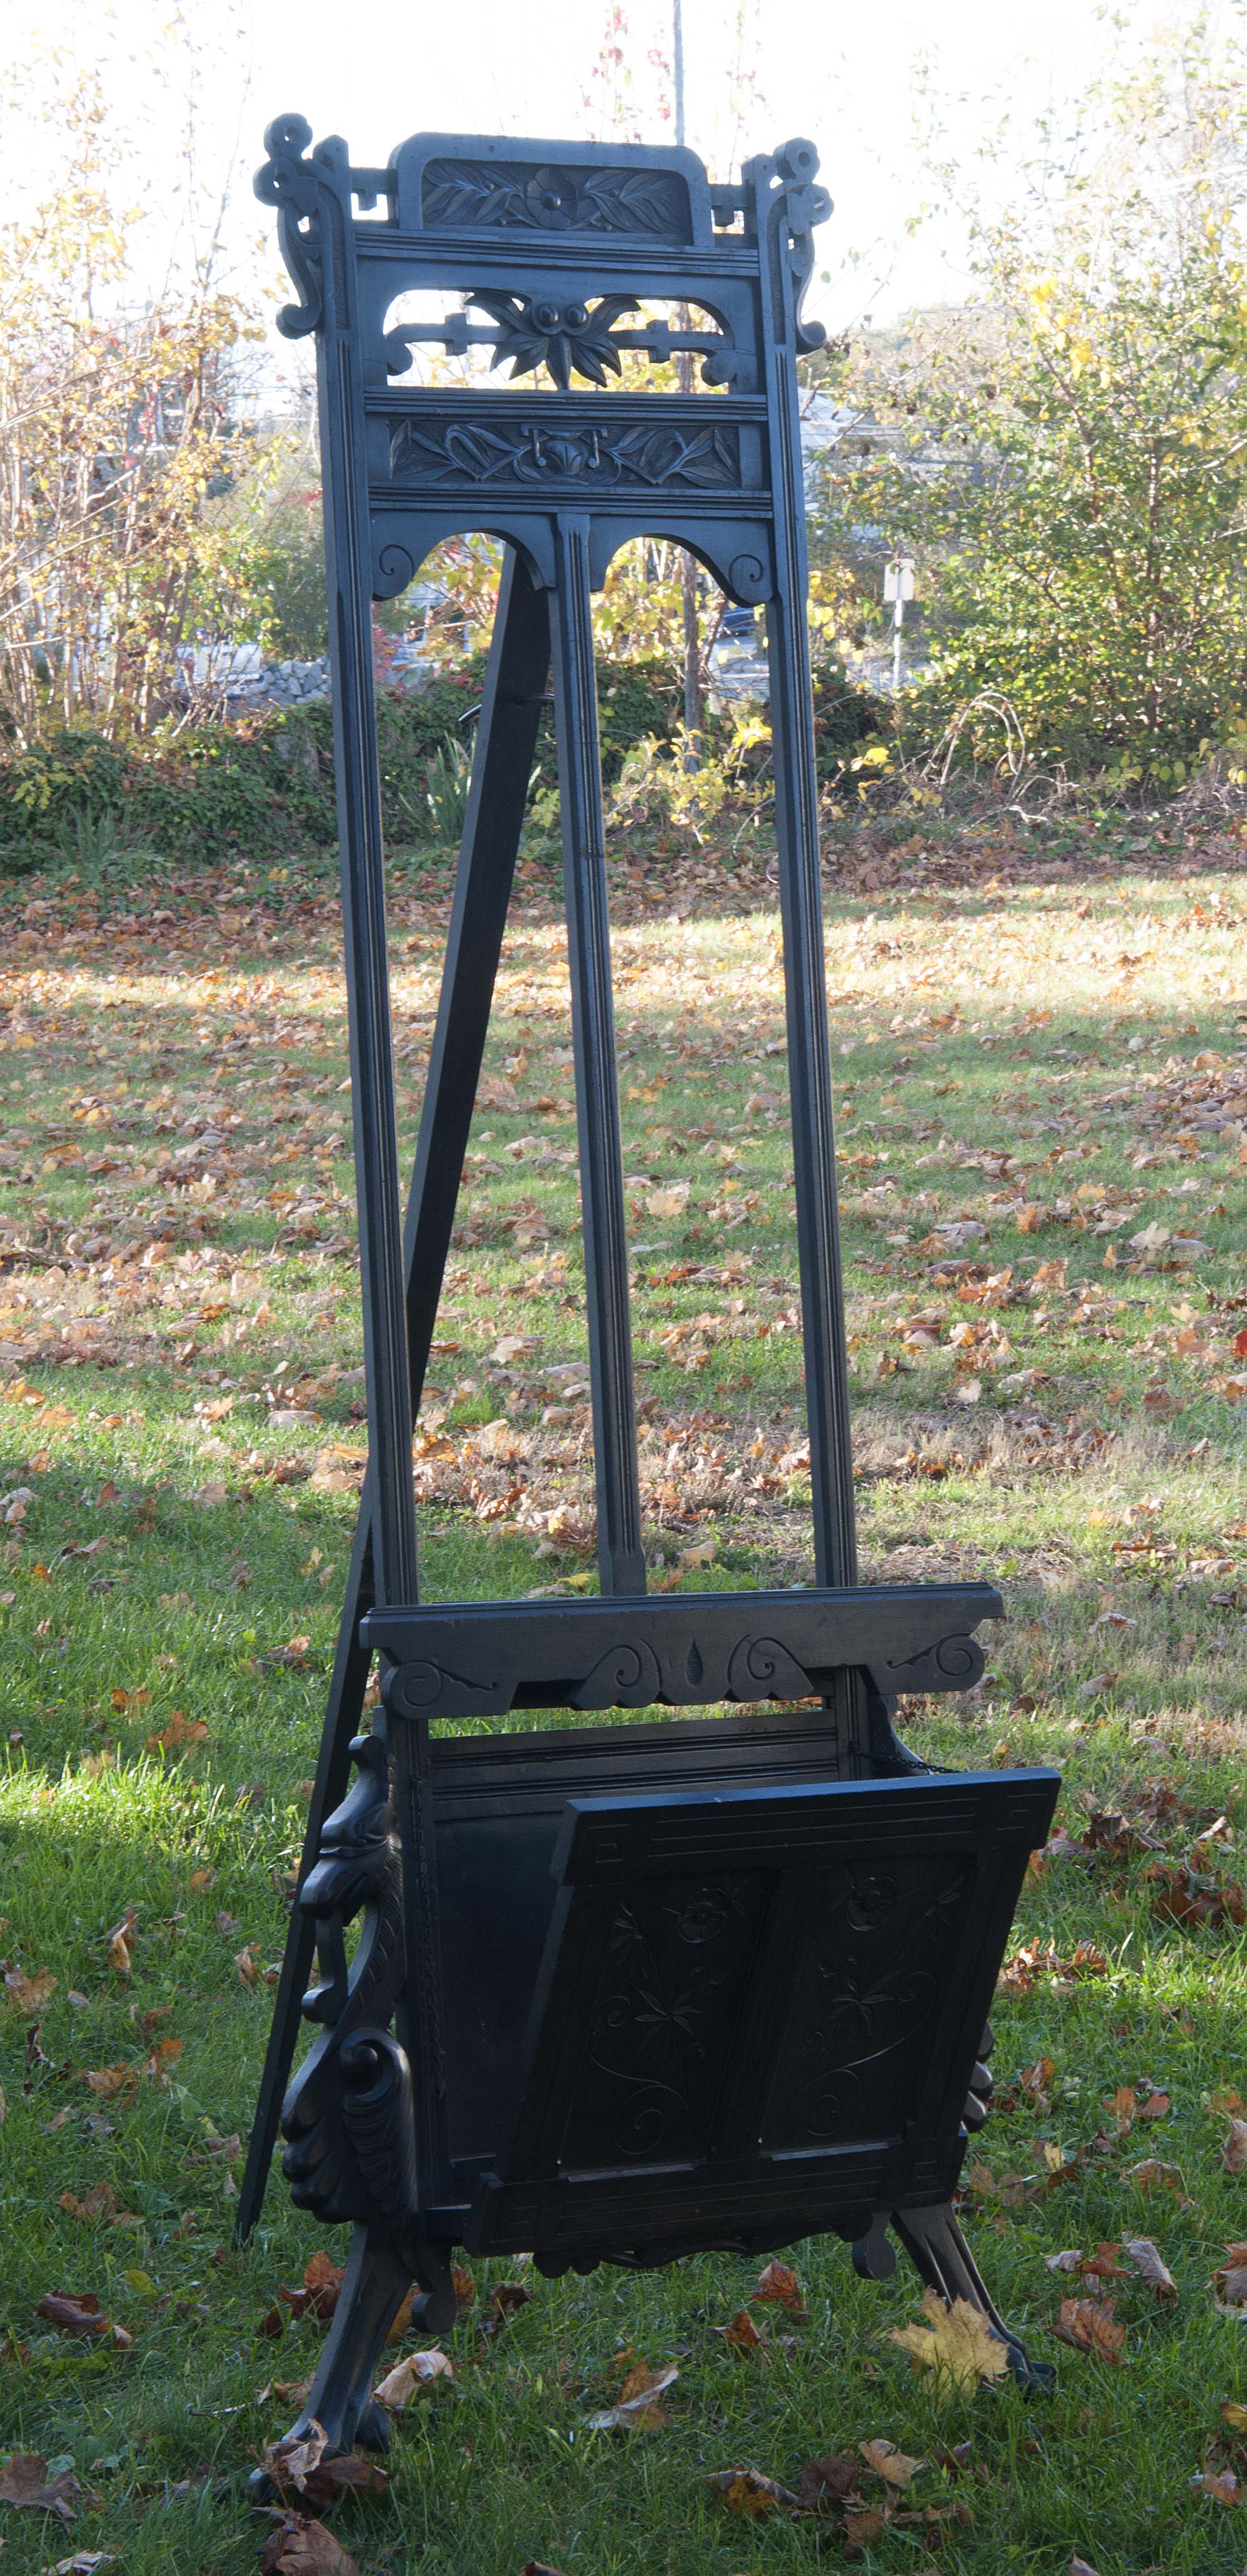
<point>119,444</point>
<point>1067,454</point>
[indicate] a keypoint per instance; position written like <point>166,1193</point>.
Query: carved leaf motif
<point>533,197</point>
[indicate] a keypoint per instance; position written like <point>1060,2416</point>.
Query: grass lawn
<point>1042,1086</point>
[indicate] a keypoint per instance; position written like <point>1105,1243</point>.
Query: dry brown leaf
<point>747,2493</point>
<point>862,2529</point>
<point>24,2482</point>
<point>742,2334</point>
<point>305,2462</point>
<point>1082,2567</point>
<point>413,2377</point>
<point>78,2316</point>
<point>1234,2147</point>
<point>1234,2415</point>
<point>778,2282</point>
<point>508,2296</point>
<point>824,2485</point>
<point>1150,2267</point>
<point>887,2462</point>
<point>1089,2325</point>
<point>300,2547</point>
<point>636,2409</point>
<point>1223,2485</point>
<point>117,1942</point>
<point>179,1731</point>
<point>1229,2282</point>
<point>956,2343</point>
<point>323,2279</point>
<point>28,1994</point>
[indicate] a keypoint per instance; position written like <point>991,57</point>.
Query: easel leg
<point>378,2276</point>
<point>621,1558</point>
<point>505,744</point>
<point>935,2244</point>
<point>814,1166</point>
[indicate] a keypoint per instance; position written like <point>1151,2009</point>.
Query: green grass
<point>183,1410</point>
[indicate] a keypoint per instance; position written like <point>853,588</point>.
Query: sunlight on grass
<point>1042,1099</point>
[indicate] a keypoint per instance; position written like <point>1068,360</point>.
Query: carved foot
<point>378,2275</point>
<point>933,2239</point>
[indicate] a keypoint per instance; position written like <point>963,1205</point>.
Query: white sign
<point>898,581</point>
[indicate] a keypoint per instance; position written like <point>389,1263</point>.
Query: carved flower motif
<point>567,337</point>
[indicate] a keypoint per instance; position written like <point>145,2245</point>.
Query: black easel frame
<point>461,2087</point>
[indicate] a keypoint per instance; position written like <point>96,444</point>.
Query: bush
<point>263,787</point>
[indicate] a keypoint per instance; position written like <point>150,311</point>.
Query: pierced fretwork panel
<point>564,337</point>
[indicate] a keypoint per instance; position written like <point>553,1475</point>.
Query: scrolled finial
<point>291,183</point>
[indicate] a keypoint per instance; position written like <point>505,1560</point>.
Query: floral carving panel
<point>528,196</point>
<point>637,458</point>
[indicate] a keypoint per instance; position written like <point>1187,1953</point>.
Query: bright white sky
<point>375,71</point>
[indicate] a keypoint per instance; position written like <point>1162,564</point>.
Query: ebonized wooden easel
<point>622,1990</point>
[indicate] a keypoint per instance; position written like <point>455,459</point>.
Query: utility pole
<point>694,711</point>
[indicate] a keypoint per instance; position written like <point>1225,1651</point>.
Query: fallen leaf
<point>747,2493</point>
<point>413,2377</point>
<point>1222,2484</point>
<point>824,2485</point>
<point>1234,2415</point>
<point>84,2562</point>
<point>305,2462</point>
<point>76,2316</point>
<point>887,2462</point>
<point>508,2296</point>
<point>861,2529</point>
<point>636,2408</point>
<point>28,1994</point>
<point>300,2547</point>
<point>179,1731</point>
<point>1230,2282</point>
<point>778,2282</point>
<point>1089,2325</point>
<point>1151,2175</point>
<point>323,2279</point>
<point>1082,2567</point>
<point>1148,2264</point>
<point>24,2482</point>
<point>1234,2147</point>
<point>742,2334</point>
<point>117,1942</point>
<point>957,2343</point>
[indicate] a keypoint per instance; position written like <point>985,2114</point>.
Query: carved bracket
<point>348,2117</point>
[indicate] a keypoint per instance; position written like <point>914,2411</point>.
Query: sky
<point>852,79</point>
